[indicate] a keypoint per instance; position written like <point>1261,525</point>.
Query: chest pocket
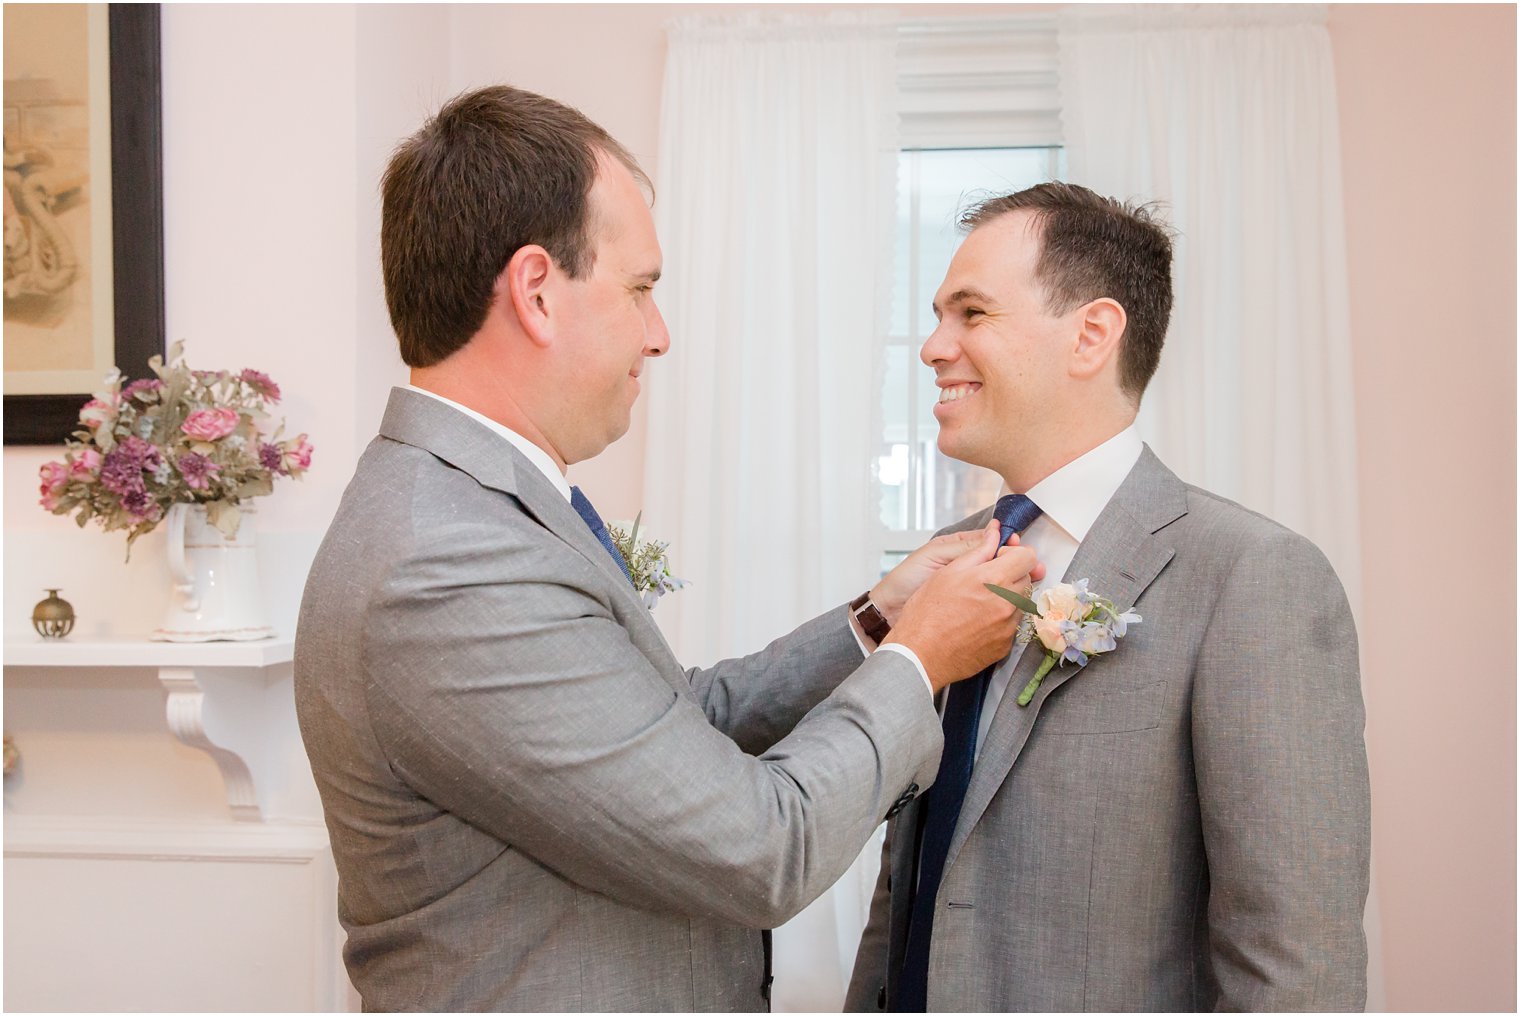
<point>1102,703</point>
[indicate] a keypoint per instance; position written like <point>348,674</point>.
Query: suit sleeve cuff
<point>902,650</point>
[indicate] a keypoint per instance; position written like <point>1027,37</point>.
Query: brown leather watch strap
<point>871,620</point>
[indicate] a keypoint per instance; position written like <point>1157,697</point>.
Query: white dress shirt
<point>551,471</point>
<point>1070,501</point>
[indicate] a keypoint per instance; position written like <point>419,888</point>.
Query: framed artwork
<point>84,250</point>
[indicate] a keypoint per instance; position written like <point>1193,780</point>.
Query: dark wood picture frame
<point>137,223</point>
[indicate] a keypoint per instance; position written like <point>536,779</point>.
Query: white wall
<point>119,842</point>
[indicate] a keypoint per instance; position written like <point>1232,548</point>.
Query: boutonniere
<point>647,561</point>
<point>1072,624</point>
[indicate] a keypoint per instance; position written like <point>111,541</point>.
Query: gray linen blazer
<point>532,806</point>
<point>1181,825</point>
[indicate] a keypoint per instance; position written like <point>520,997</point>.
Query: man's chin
<point>617,432</point>
<point>950,447</point>
<point>955,446</point>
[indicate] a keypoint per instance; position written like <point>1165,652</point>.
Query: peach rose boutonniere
<point>1072,625</point>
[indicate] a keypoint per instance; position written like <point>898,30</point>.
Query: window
<point>922,490</point>
<point>979,106</point>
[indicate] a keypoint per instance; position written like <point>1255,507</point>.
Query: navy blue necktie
<point>941,805</point>
<point>597,526</point>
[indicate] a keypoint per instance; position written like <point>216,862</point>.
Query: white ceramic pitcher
<point>216,595</point>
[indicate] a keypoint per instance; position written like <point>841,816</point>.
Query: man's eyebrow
<point>966,294</point>
<point>652,275</point>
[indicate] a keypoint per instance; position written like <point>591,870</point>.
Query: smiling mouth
<point>956,392</point>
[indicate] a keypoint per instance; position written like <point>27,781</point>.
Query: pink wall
<point>1427,101</point>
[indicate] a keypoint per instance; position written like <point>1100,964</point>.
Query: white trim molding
<point>979,82</point>
<point>295,844</point>
<point>224,698</point>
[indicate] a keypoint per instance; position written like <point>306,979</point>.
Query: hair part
<point>495,170</point>
<point>1094,247</point>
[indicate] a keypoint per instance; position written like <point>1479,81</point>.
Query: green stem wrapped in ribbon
<point>1046,665</point>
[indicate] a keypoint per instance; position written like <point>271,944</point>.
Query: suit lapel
<point>470,446</point>
<point>1122,554</point>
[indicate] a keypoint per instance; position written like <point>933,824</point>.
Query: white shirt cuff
<point>902,650</point>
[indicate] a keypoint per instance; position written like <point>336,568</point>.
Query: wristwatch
<point>871,620</point>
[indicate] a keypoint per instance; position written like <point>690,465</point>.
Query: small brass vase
<point>53,617</point>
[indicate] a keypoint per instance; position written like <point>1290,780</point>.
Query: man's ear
<point>1100,328</point>
<point>523,286</point>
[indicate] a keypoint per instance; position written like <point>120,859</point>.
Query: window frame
<point>963,83</point>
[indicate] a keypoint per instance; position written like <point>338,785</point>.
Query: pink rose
<point>96,414</point>
<point>1061,603</point>
<point>298,455</point>
<point>210,424</point>
<point>55,479</point>
<point>87,466</point>
<point>1049,632</point>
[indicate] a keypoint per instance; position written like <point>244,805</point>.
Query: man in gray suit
<point>1183,822</point>
<point>532,805</point>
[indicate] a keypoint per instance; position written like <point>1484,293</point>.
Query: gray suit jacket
<point>532,805</point>
<point>1181,825</point>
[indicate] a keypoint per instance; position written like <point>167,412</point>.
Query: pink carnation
<point>271,457</point>
<point>151,384</point>
<point>141,506</point>
<point>87,466</point>
<point>298,455</point>
<point>96,413</point>
<point>55,479</point>
<point>197,470</point>
<point>210,424</point>
<point>261,383</point>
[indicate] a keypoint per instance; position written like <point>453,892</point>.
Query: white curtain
<point>776,177</point>
<point>1227,115</point>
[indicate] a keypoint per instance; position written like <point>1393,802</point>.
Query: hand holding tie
<point>952,623</point>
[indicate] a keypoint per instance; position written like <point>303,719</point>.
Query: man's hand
<point>912,572</point>
<point>954,624</point>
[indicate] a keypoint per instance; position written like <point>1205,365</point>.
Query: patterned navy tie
<point>941,804</point>
<point>598,528</point>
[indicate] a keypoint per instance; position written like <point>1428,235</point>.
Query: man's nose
<point>656,335</point>
<point>937,348</point>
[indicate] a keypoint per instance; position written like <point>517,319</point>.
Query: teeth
<point>955,393</point>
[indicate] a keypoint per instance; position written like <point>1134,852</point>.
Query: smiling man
<point>532,806</point>
<point>1183,822</point>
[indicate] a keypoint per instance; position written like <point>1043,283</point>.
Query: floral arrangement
<point>1071,623</point>
<point>647,561</point>
<point>185,436</point>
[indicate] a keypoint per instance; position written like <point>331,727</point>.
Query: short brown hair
<point>495,170</point>
<point>1093,247</point>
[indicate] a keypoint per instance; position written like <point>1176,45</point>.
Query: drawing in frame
<point>84,260</point>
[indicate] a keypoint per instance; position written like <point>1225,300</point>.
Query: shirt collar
<point>1075,495</point>
<point>532,452</point>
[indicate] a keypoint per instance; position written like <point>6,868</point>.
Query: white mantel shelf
<point>221,698</point>
<point>75,651</point>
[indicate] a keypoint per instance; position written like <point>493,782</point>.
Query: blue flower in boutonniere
<point>1070,623</point>
<point>647,561</point>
